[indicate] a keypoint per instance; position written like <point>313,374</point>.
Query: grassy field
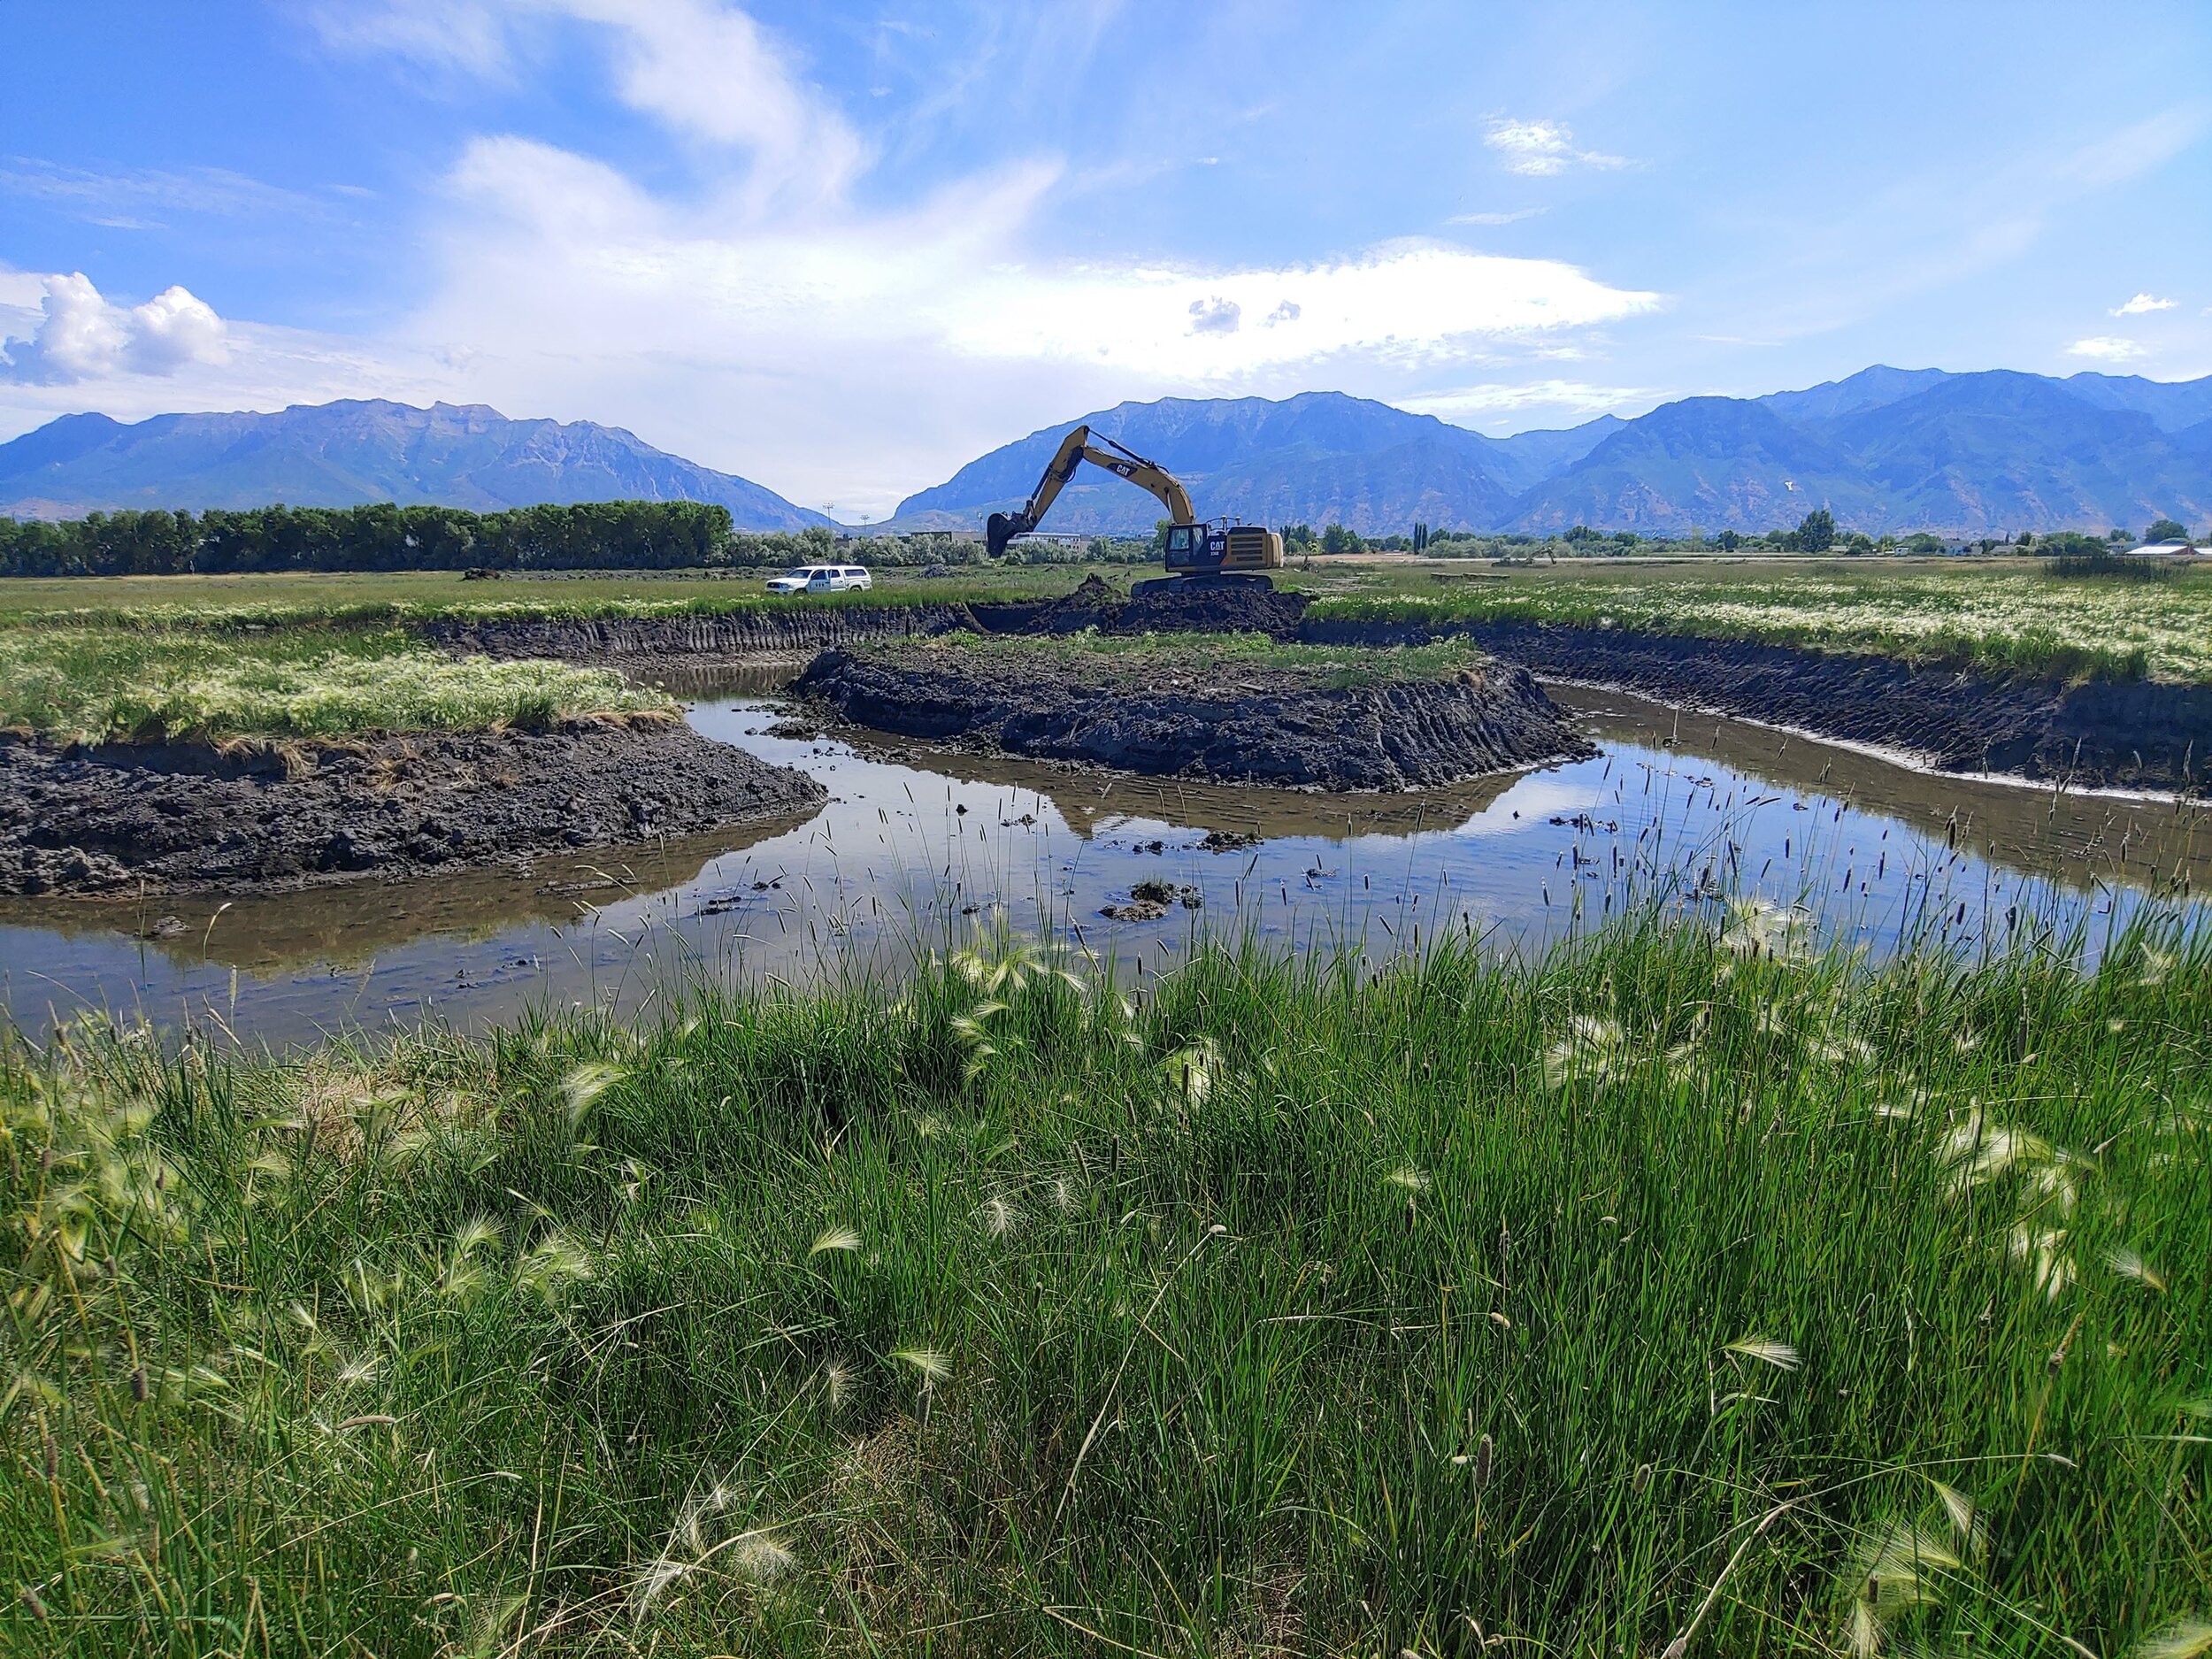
<point>1678,1292</point>
<point>1996,614</point>
<point>89,684</point>
<point>404,596</point>
<point>2003,615</point>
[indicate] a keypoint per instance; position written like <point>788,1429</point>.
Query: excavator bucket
<point>998,530</point>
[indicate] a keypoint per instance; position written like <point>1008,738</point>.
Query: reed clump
<point>1668,1294</point>
<point>101,684</point>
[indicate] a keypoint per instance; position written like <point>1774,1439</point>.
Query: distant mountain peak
<point>1884,448</point>
<point>360,449</point>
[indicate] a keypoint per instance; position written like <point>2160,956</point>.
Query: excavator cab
<point>1185,546</point>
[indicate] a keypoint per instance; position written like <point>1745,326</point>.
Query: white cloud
<point>762,320</point>
<point>1406,301</point>
<point>2106,348</point>
<point>81,336</point>
<point>2142,303</point>
<point>1540,149</point>
<point>1514,218</point>
<point>1488,403</point>
<point>455,34</point>
<point>704,69</point>
<point>142,200</point>
<point>804,348</point>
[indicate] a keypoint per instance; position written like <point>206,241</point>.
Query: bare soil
<point>1246,725</point>
<point>2140,734</point>
<point>1167,608</point>
<point>120,817</point>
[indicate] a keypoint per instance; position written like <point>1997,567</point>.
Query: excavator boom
<point>1078,447</point>
<point>1192,549</point>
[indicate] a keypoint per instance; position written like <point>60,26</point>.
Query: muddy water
<point>1674,806</point>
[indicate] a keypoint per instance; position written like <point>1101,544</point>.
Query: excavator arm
<point>1078,446</point>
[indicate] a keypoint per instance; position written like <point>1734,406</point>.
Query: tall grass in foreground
<point>1673,1293</point>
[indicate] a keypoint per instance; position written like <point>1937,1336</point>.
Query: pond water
<point>915,843</point>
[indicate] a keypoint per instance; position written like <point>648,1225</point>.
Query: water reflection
<point>917,841</point>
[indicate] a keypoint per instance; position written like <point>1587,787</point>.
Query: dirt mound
<point>120,817</point>
<point>741,636</point>
<point>1266,727</point>
<point>2142,734</point>
<point>1167,608</point>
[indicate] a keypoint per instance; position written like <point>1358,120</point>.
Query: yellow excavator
<point>1217,555</point>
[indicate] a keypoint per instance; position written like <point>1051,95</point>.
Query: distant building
<point>2166,550</point>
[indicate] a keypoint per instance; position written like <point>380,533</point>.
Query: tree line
<point>585,535</point>
<point>622,534</point>
<point>1815,532</point>
<point>696,535</point>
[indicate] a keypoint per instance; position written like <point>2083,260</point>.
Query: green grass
<point>1998,615</point>
<point>1140,660</point>
<point>1674,1287</point>
<point>92,684</point>
<point>2011,617</point>
<point>398,598</point>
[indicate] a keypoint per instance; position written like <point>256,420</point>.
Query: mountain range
<point>343,454</point>
<point>1886,449</point>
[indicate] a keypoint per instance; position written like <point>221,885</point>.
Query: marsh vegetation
<point>80,684</point>
<point>1686,1289</point>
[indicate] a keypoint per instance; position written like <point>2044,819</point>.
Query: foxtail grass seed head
<point>840,1237</point>
<point>1967,1525</point>
<point>2043,1251</point>
<point>2129,1264</point>
<point>1767,1351</point>
<point>582,1086</point>
<point>1408,1179</point>
<point>760,1558</point>
<point>933,1366</point>
<point>2189,1637</point>
<point>999,1217</point>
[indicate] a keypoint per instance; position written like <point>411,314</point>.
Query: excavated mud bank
<point>1248,725</point>
<point>2144,734</point>
<point>1096,604</point>
<point>742,636</point>
<point>2141,735</point>
<point>120,817</point>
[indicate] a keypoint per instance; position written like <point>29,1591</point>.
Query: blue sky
<point>843,248</point>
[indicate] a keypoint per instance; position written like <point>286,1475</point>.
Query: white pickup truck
<point>822,579</point>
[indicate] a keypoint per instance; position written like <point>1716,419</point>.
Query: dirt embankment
<point>178,817</point>
<point>1248,725</point>
<point>1096,604</point>
<point>2143,734</point>
<point>741,636</point>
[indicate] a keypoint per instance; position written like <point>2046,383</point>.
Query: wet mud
<point>121,818</point>
<point>1263,725</point>
<point>2103,735</point>
<point>2141,735</point>
<point>1098,603</point>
